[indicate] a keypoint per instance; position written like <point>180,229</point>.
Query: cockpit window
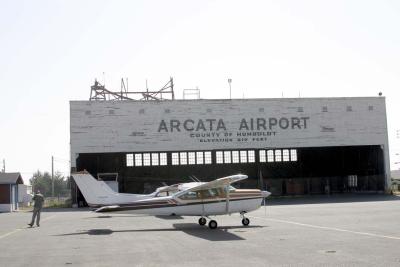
<point>204,194</point>
<point>162,194</point>
<point>165,193</point>
<point>190,195</point>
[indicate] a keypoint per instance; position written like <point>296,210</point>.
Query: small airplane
<point>201,199</point>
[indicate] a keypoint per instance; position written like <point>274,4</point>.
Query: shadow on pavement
<point>116,216</point>
<point>220,234</point>
<point>86,209</point>
<point>336,198</point>
<point>169,217</point>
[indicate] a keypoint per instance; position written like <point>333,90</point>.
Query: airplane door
<point>211,203</point>
<point>206,207</point>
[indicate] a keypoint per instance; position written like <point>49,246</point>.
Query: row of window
<point>191,158</point>
<point>146,159</point>
<point>205,157</point>
<point>299,109</point>
<point>278,155</point>
<point>235,156</point>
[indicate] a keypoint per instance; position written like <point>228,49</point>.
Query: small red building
<point>9,191</point>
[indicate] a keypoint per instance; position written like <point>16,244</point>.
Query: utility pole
<point>4,165</point>
<point>230,88</point>
<point>52,176</point>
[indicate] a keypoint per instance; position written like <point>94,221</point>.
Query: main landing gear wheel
<point>212,224</point>
<point>202,221</point>
<point>245,221</point>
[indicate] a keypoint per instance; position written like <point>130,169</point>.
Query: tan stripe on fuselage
<point>240,193</point>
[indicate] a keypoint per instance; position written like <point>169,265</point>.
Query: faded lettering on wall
<point>247,129</point>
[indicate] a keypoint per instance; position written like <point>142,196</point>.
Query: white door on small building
<point>14,197</point>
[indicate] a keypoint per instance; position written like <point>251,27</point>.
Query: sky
<point>51,52</point>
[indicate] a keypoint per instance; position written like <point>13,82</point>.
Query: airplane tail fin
<point>95,192</point>
<point>98,193</point>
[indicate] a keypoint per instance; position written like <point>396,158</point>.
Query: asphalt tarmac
<point>318,231</point>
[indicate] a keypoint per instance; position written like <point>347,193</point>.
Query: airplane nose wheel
<point>245,221</point>
<point>202,221</point>
<point>212,224</point>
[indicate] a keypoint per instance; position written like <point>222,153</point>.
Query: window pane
<point>270,156</point>
<point>243,156</point>
<point>192,157</point>
<point>219,157</point>
<point>285,154</point>
<point>138,160</point>
<point>146,159</point>
<point>154,159</point>
<point>278,155</point>
<point>207,157</point>
<point>227,157</point>
<point>251,156</point>
<point>129,160</point>
<point>199,157</point>
<point>293,155</point>
<point>163,159</point>
<point>262,156</point>
<point>175,159</point>
<point>235,156</point>
<point>183,156</point>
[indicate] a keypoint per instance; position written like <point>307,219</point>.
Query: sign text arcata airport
<point>251,124</point>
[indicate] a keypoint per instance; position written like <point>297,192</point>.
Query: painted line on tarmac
<point>48,218</point>
<point>22,228</point>
<point>327,228</point>
<point>10,233</point>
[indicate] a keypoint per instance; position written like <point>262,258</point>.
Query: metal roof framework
<point>99,92</point>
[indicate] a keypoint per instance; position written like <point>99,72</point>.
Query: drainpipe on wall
<point>11,207</point>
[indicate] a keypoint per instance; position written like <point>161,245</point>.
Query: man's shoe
<point>30,224</point>
<point>38,225</point>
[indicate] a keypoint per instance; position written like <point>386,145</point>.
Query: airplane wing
<point>221,182</point>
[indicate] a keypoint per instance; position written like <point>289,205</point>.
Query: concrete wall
<point>135,126</point>
<point>24,194</point>
<point>129,126</point>
<point>5,208</point>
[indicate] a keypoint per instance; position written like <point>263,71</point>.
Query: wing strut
<point>202,205</point>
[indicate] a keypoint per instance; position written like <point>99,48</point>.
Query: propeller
<point>227,199</point>
<point>265,193</point>
<point>265,208</point>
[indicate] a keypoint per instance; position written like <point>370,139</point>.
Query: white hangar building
<point>290,146</point>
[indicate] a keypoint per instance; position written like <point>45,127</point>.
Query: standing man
<point>37,208</point>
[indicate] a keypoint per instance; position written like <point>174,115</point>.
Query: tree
<point>42,181</point>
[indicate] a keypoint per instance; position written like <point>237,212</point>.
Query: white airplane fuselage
<point>239,201</point>
<point>218,208</point>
